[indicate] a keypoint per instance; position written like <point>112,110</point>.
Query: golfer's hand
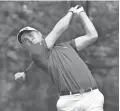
<point>20,76</point>
<point>76,10</point>
<point>79,9</point>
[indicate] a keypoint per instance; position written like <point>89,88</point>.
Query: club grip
<point>79,6</point>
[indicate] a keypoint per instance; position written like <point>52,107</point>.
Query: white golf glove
<point>76,10</point>
<point>20,76</point>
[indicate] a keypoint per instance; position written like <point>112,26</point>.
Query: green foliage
<point>37,94</point>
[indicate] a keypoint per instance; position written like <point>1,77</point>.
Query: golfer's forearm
<point>88,25</point>
<point>57,31</point>
<point>63,24</point>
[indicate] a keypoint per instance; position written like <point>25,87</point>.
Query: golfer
<point>73,80</point>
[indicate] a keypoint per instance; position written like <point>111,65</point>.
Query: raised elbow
<point>94,34</point>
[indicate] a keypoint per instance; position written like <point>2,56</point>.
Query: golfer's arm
<point>91,33</point>
<point>59,28</point>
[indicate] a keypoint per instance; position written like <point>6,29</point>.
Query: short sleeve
<point>72,43</point>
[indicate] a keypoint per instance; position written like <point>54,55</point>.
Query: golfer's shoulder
<point>62,44</point>
<point>68,45</point>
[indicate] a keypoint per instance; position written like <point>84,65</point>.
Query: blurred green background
<point>37,93</point>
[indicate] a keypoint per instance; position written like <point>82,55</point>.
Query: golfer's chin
<point>34,48</point>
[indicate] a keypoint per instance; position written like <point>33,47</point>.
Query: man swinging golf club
<point>72,78</point>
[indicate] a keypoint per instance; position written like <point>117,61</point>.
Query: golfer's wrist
<point>81,10</point>
<point>82,13</point>
<point>70,12</point>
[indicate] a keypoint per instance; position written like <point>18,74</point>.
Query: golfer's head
<point>28,36</point>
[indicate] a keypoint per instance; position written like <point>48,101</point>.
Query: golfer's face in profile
<point>30,38</point>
